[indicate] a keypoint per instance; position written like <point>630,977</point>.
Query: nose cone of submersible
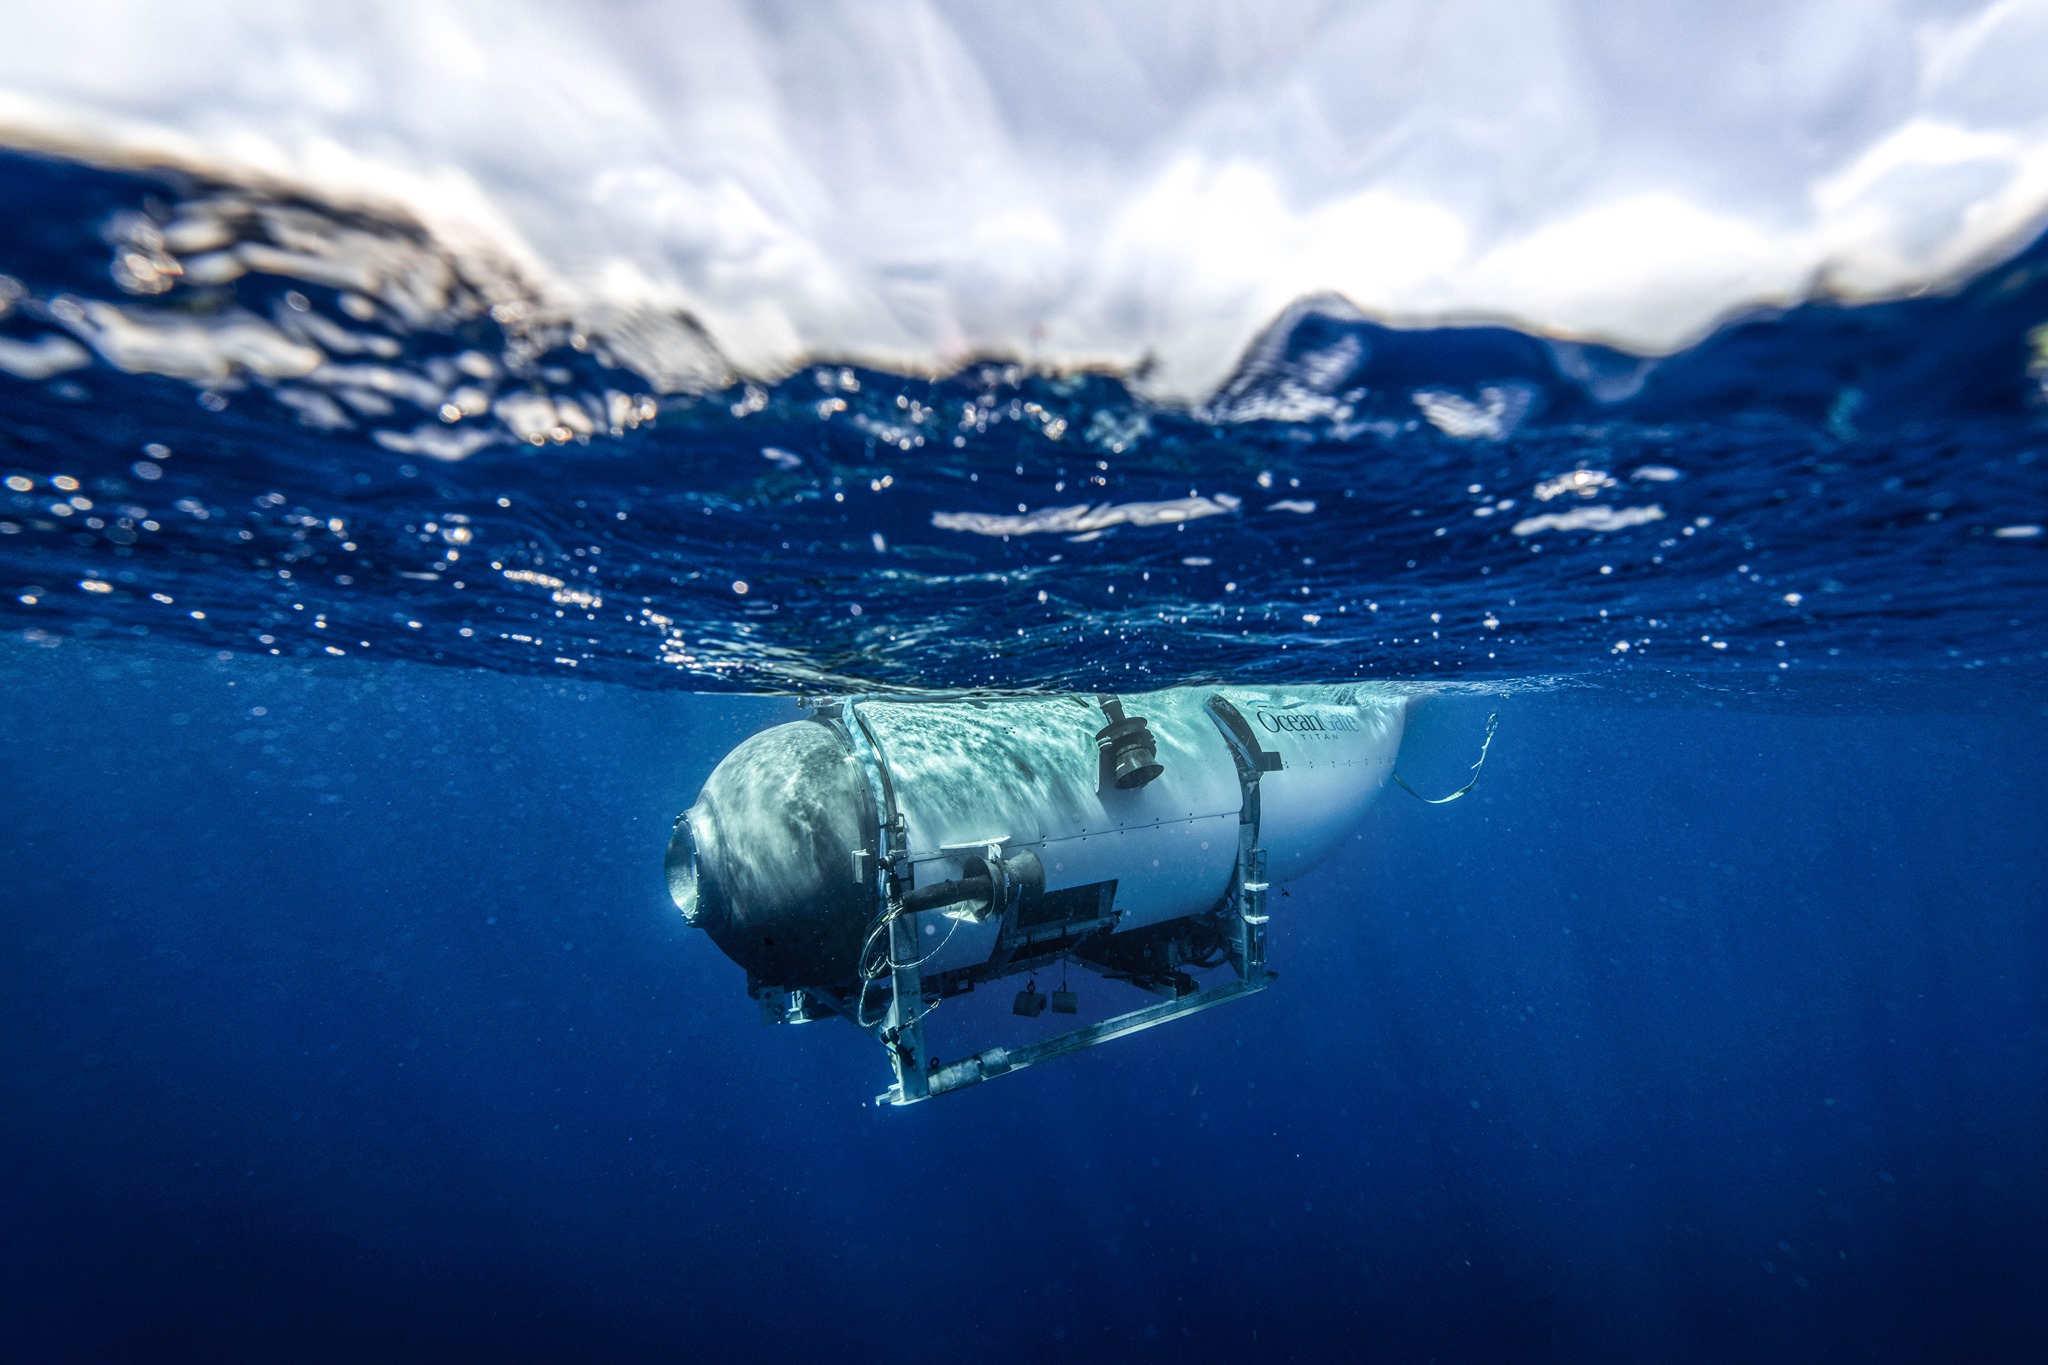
<point>765,861</point>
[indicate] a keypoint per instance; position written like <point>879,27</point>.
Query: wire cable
<point>1492,724</point>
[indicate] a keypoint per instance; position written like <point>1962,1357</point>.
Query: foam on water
<point>1143,186</point>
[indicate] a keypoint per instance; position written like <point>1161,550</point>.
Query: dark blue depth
<point>361,1029</point>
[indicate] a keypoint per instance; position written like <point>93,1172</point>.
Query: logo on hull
<point>1302,722</point>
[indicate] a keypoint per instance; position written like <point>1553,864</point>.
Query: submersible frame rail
<point>900,1029</point>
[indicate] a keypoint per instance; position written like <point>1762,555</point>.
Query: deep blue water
<point>363,1029</point>
<point>346,1015</point>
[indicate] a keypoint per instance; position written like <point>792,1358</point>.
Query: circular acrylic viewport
<point>682,869</point>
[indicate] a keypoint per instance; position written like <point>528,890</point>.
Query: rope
<point>1492,724</point>
<point>869,978</point>
<point>896,966</point>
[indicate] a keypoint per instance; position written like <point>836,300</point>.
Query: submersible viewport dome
<point>887,854</point>
<point>766,861</point>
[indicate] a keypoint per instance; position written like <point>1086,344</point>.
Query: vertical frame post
<point>903,1028</point>
<point>1251,909</point>
<point>1245,939</point>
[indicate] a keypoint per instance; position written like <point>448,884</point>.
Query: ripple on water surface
<point>272,427</point>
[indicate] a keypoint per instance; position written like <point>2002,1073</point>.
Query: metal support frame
<point>1244,909</point>
<point>1242,917</point>
<point>996,1061</point>
<point>901,1027</point>
<point>1247,904</point>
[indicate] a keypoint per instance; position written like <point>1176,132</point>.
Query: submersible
<point>886,854</point>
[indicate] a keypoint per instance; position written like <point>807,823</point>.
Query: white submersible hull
<point>888,853</point>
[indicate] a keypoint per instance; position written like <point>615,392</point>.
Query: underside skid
<point>997,1061</point>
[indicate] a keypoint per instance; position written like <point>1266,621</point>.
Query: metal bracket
<point>900,1029</point>
<point>1245,938</point>
<point>996,1061</point>
<point>1241,916</point>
